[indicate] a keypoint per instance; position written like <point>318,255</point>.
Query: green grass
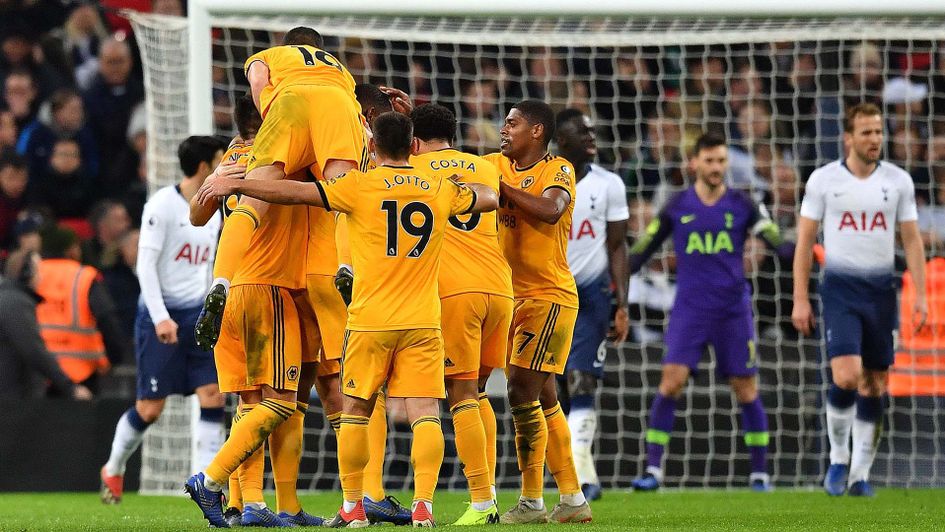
<point>685,511</point>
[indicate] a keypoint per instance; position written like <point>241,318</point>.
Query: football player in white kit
<point>597,256</point>
<point>859,200</point>
<point>174,266</point>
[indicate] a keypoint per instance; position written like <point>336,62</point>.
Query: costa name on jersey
<point>860,214</point>
<point>185,251</point>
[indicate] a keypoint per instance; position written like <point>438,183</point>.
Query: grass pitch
<point>684,511</point>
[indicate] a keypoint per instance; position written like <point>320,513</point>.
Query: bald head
<point>115,61</point>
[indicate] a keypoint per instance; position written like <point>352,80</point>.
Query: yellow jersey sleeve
<point>238,152</point>
<point>558,173</point>
<point>340,193</point>
<point>464,198</point>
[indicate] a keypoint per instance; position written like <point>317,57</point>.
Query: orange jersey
<point>472,260</point>
<point>238,152</point>
<point>278,249</point>
<point>323,253</point>
<point>398,216</point>
<point>299,65</point>
<point>536,251</point>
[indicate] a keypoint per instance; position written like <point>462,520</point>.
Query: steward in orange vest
<point>76,311</point>
<point>920,357</point>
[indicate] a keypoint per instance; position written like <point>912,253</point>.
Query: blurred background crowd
<point>73,128</point>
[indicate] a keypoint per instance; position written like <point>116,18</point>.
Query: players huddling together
<point>362,254</point>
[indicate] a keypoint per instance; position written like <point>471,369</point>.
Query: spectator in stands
<point>66,120</point>
<point>173,8</point>
<point>931,219</point>
<point>112,97</point>
<point>547,77</point>
<point>17,53</point>
<point>9,132</point>
<point>109,220</point>
<point>13,180</point>
<point>420,88</point>
<point>63,185</point>
<point>745,88</point>
<point>478,116</point>
<point>938,92</point>
<point>625,96</point>
<point>82,36</point>
<point>25,364</point>
<point>652,290</point>
<point>905,101</point>
<point>661,165</point>
<point>88,343</point>
<point>121,179</point>
<point>21,97</point>
<point>863,83</point>
<point>907,150</point>
<point>118,270</point>
<point>27,231</point>
<point>704,92</point>
<point>783,197</point>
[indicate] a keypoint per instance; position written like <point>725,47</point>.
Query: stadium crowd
<point>73,131</point>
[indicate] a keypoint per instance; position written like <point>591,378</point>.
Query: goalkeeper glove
<point>344,281</point>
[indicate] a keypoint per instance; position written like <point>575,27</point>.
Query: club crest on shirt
<point>565,169</point>
<point>527,182</point>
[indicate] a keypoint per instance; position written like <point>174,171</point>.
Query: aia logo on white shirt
<point>585,228</point>
<point>862,221</point>
<point>195,255</point>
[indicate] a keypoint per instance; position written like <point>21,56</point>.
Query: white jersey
<point>601,198</point>
<point>859,215</point>
<point>185,252</point>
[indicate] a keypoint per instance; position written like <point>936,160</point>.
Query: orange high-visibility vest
<point>65,318</point>
<point>920,360</point>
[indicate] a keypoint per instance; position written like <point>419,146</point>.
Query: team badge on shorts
<point>292,373</point>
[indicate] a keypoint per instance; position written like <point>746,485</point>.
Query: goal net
<point>774,87</point>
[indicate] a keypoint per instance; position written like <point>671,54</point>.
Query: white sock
<point>347,506</point>
<point>656,472</point>
<point>211,484</point>
<point>482,506</point>
<point>126,441</point>
<point>839,423</point>
<point>255,505</point>
<point>209,438</point>
<point>222,281</point>
<point>534,504</point>
<point>573,499</point>
<point>865,443</point>
<point>492,487</point>
<point>429,505</point>
<point>759,476</point>
<point>583,425</point>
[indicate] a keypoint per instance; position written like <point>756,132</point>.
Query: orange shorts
<point>307,126</point>
<point>541,335</point>
<point>331,315</point>
<point>475,333</point>
<point>311,338</point>
<point>260,340</point>
<point>410,362</point>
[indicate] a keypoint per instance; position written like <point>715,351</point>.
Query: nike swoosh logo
<point>837,194</point>
<point>687,218</point>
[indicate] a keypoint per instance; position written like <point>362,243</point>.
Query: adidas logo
<point>551,360</point>
<point>449,363</point>
<point>350,384</point>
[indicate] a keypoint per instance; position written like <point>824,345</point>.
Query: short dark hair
<point>303,35</point>
<point>370,95</point>
<point>197,149</point>
<point>707,141</point>
<point>11,159</point>
<point>538,112</point>
<point>246,116</point>
<point>860,109</point>
<point>393,134</point>
<point>57,241</point>
<point>433,121</point>
<point>567,115</point>
<point>60,98</point>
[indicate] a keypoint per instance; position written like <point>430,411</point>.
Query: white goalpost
<point>772,76</point>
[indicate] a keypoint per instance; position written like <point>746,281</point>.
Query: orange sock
<point>285,452</point>
<point>559,456</point>
<point>353,456</point>
<point>334,421</point>
<point>250,472</point>
<point>487,414</point>
<point>531,442</point>
<point>471,449</point>
<point>235,498</point>
<point>426,456</point>
<point>247,436</point>
<point>234,241</point>
<point>377,440</point>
